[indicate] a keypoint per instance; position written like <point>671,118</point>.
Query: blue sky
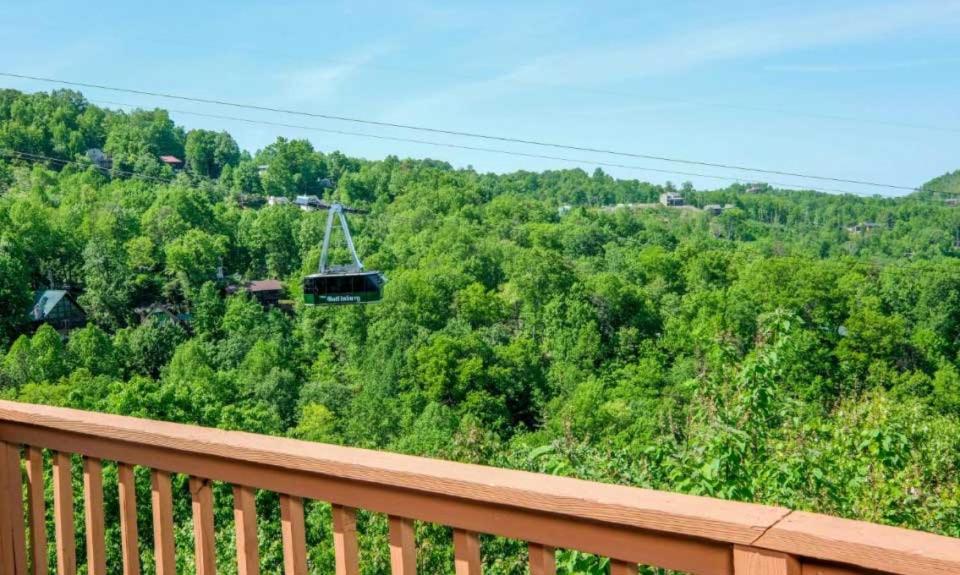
<point>860,90</point>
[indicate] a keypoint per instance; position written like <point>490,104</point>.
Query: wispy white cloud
<point>861,67</point>
<point>685,50</point>
<point>783,33</point>
<point>319,82</point>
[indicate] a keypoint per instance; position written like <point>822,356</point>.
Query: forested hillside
<point>797,348</point>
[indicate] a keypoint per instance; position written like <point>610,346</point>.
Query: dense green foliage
<point>765,354</point>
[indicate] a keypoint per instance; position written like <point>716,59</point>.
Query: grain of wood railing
<point>630,526</point>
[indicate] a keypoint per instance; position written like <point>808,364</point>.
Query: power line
<point>41,158</point>
<point>699,103</point>
<point>928,265</point>
<point>459,133</point>
<point>477,148</point>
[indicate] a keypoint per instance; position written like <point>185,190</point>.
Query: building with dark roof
<point>174,162</point>
<point>57,308</point>
<point>268,292</point>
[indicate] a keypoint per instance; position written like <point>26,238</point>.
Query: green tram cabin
<point>343,288</point>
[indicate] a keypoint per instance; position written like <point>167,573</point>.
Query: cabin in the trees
<point>308,203</point>
<point>862,227</point>
<point>175,163</point>
<point>277,201</point>
<point>671,199</point>
<point>717,209</point>
<point>952,202</point>
<point>162,313</point>
<point>57,308</point>
<point>99,159</point>
<point>268,292</point>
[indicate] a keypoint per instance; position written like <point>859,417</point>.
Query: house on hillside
<point>163,313</point>
<point>99,159</point>
<point>952,202</point>
<point>672,199</point>
<point>862,227</point>
<point>277,201</point>
<point>175,163</point>
<point>57,308</point>
<point>308,203</point>
<point>268,292</point>
<point>717,209</point>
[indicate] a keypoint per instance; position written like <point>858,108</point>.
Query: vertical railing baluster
<point>201,493</point>
<point>162,499</point>
<point>93,516</point>
<point>345,547</point>
<point>753,561</point>
<point>543,560</point>
<point>294,535</point>
<point>129,538</point>
<point>63,514</point>
<point>37,512</point>
<point>13,536</point>
<point>466,551</point>
<point>403,546</point>
<point>245,522</point>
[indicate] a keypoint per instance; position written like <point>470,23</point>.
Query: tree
<point>142,134</point>
<point>293,168</point>
<point>147,348</point>
<point>14,290</point>
<point>107,290</point>
<point>92,349</point>
<point>193,258</point>
<point>207,153</point>
<point>17,364</point>
<point>48,358</point>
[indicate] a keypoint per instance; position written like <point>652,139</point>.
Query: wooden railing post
<point>63,514</point>
<point>129,538</point>
<point>466,551</point>
<point>293,531</point>
<point>13,538</point>
<point>93,516</point>
<point>403,546</point>
<point>245,522</point>
<point>38,512</point>
<point>201,493</point>
<point>543,560</point>
<point>345,545</point>
<point>162,499</point>
<point>754,561</point>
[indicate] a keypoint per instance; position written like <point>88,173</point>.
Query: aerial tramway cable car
<point>339,285</point>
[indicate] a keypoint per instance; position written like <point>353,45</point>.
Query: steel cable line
<point>927,265</point>
<point>478,148</point>
<point>450,132</point>
<point>42,158</point>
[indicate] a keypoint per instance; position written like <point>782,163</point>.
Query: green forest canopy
<point>772,353</point>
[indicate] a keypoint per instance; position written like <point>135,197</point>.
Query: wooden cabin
<point>268,292</point>
<point>57,308</point>
<point>175,163</point>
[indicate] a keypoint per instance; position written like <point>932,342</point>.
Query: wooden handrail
<point>629,525</point>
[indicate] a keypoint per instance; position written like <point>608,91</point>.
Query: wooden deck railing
<point>631,526</point>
